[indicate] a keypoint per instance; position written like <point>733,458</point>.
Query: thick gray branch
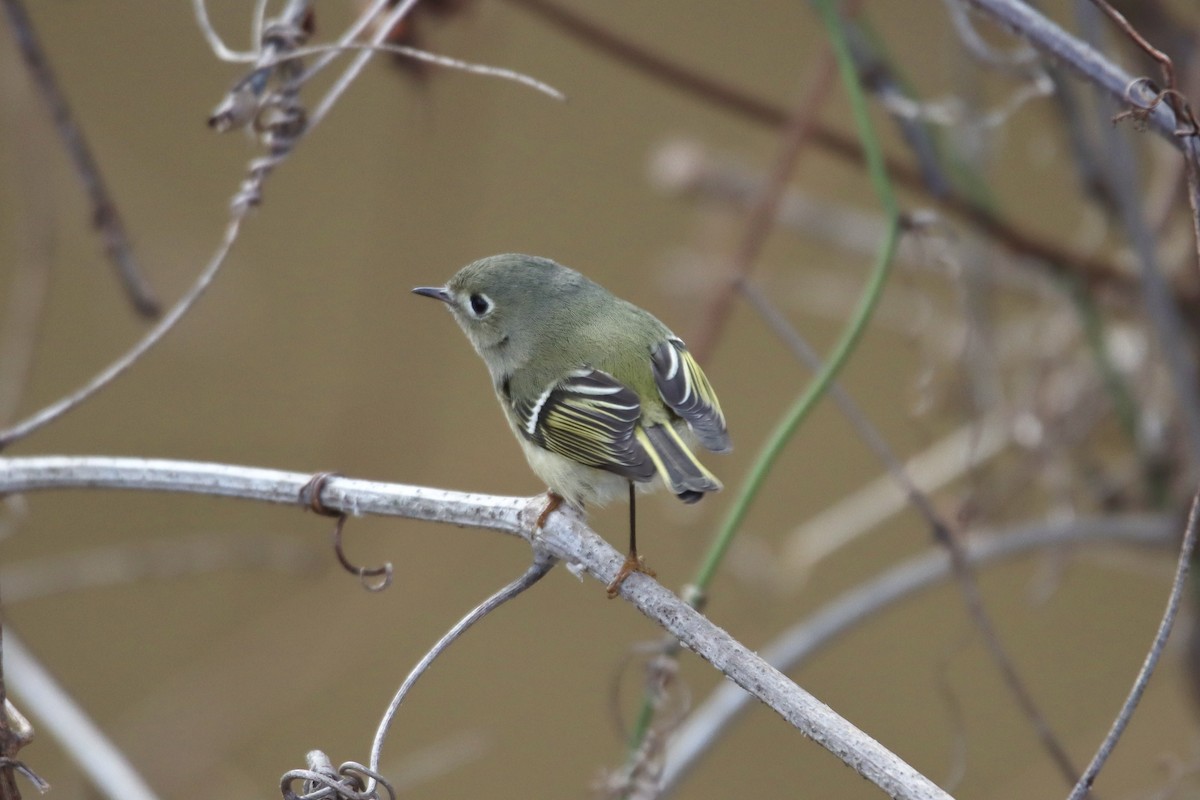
<point>565,536</point>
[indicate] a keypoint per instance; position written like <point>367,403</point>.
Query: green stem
<point>862,313</point>
<point>850,337</point>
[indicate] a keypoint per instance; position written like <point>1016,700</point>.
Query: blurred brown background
<point>310,354</point>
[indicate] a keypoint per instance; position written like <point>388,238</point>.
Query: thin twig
<point>688,168</point>
<point>988,439</point>
<point>711,719</point>
<point>564,536</point>
<point>542,564</point>
<point>1087,62</point>
<point>119,366</point>
<point>1163,60</point>
<point>1143,677</point>
<point>1015,61</point>
<point>487,70</point>
<point>105,216</point>
<point>871,436</point>
<point>351,34</point>
<point>1008,669</point>
<point>357,64</point>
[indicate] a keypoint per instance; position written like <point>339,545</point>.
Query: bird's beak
<point>436,292</point>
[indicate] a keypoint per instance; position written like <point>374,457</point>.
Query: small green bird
<point>599,393</point>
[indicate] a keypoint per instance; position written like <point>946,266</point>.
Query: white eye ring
<point>480,305</point>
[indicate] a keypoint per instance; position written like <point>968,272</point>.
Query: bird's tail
<point>680,471</point>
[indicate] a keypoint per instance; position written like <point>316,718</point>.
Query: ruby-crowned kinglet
<point>599,393</point>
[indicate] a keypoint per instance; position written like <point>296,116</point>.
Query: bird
<point>601,395</point>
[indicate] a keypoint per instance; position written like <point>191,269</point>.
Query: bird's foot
<point>553,501</point>
<point>633,563</point>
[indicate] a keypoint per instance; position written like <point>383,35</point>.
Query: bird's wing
<point>591,418</point>
<point>683,386</point>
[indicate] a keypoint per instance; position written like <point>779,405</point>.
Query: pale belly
<point>580,485</point>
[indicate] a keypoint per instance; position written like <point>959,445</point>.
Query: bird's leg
<point>553,501</point>
<point>633,562</point>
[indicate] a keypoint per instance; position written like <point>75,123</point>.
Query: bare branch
<point>942,531</point>
<point>564,536</point>
<point>1119,171</point>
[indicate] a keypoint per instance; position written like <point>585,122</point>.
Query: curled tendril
<point>350,781</point>
<point>310,496</point>
<point>1145,96</point>
<point>384,573</point>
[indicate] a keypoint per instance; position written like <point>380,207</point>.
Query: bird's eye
<point>480,304</point>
